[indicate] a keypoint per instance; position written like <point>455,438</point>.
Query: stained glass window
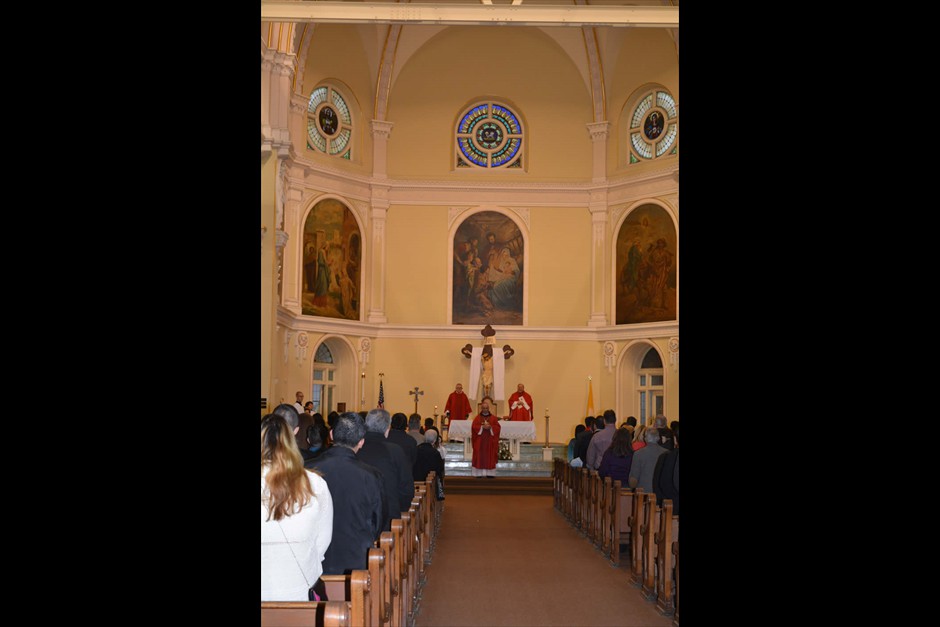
<point>329,123</point>
<point>324,356</point>
<point>654,125</point>
<point>489,135</point>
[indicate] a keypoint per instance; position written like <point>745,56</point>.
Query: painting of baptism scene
<point>646,267</point>
<point>332,253</point>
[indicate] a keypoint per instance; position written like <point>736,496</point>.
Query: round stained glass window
<point>489,135</point>
<point>329,123</point>
<point>654,125</point>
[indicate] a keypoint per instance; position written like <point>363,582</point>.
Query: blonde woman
<point>639,441</point>
<point>296,517</point>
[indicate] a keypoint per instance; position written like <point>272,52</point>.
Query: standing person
<point>397,434</point>
<point>520,404</point>
<point>571,443</point>
<point>605,427</point>
<point>299,402</point>
<point>583,441</point>
<point>457,406</point>
<point>618,458</point>
<point>428,460</point>
<point>484,436</point>
<point>415,430</point>
<point>644,462</point>
<point>358,497</point>
<point>296,517</point>
<point>391,462</point>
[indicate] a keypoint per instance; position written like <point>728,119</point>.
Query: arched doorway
<point>642,389</point>
<point>333,377</point>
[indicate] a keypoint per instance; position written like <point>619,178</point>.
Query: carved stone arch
<point>303,39</point>
<point>345,355</point>
<point>458,217</point>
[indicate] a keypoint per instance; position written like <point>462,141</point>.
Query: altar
<point>515,431</point>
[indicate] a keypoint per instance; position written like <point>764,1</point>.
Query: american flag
<point>381,396</point>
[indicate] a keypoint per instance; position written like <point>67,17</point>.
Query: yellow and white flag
<point>590,403</point>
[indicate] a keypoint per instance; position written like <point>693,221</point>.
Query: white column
<point>377,282</point>
<point>598,209</point>
<point>599,133</point>
<point>381,131</point>
<point>292,254</point>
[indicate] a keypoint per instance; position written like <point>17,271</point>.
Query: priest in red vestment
<point>458,405</point>
<point>520,405</point>
<point>484,435</point>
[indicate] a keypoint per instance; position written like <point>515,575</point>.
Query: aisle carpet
<point>515,561</point>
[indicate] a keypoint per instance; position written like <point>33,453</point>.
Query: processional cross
<point>416,393</point>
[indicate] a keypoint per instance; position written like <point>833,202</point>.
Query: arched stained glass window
<point>324,356</point>
<point>654,125</point>
<point>489,135</point>
<point>329,123</point>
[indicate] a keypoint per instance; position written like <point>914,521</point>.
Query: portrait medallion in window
<point>653,128</point>
<point>329,123</point>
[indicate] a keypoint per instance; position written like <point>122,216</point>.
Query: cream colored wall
<point>337,52</point>
<point>559,277</point>
<point>647,55</point>
<point>522,67</point>
<point>417,265</point>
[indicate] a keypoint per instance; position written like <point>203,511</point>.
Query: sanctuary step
<point>531,462</point>
<point>538,486</point>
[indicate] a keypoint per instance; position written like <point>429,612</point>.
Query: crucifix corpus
<point>486,368</point>
<point>416,393</point>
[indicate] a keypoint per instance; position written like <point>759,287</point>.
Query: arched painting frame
<point>332,262</point>
<point>488,270</point>
<point>646,266</point>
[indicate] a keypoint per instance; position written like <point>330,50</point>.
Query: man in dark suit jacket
<point>398,435</point>
<point>583,441</point>
<point>391,461</point>
<point>359,507</point>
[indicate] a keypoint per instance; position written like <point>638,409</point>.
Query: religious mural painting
<point>332,256</point>
<point>488,270</point>
<point>646,267</point>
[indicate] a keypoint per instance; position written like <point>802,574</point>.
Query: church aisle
<point>515,561</point>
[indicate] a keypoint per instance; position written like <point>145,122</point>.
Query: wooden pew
<point>675,550</point>
<point>648,548</point>
<point>305,614</point>
<point>636,522</point>
<point>355,589</point>
<point>401,604</point>
<point>600,507</point>
<point>607,531</point>
<point>621,505</point>
<point>340,587</point>
<point>393,582</point>
<point>666,536</point>
<point>584,504</point>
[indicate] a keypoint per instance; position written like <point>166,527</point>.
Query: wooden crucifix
<point>416,393</point>
<point>486,375</point>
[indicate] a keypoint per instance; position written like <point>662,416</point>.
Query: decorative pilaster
<point>381,131</point>
<point>598,208</point>
<point>599,131</point>
<point>277,71</point>
<point>293,253</point>
<point>380,206</point>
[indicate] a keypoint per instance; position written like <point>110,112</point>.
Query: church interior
<point>432,170</point>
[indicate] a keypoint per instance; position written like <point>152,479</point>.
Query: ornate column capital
<point>381,128</point>
<point>599,131</point>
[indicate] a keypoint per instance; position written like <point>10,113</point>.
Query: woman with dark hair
<point>618,458</point>
<point>296,516</point>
